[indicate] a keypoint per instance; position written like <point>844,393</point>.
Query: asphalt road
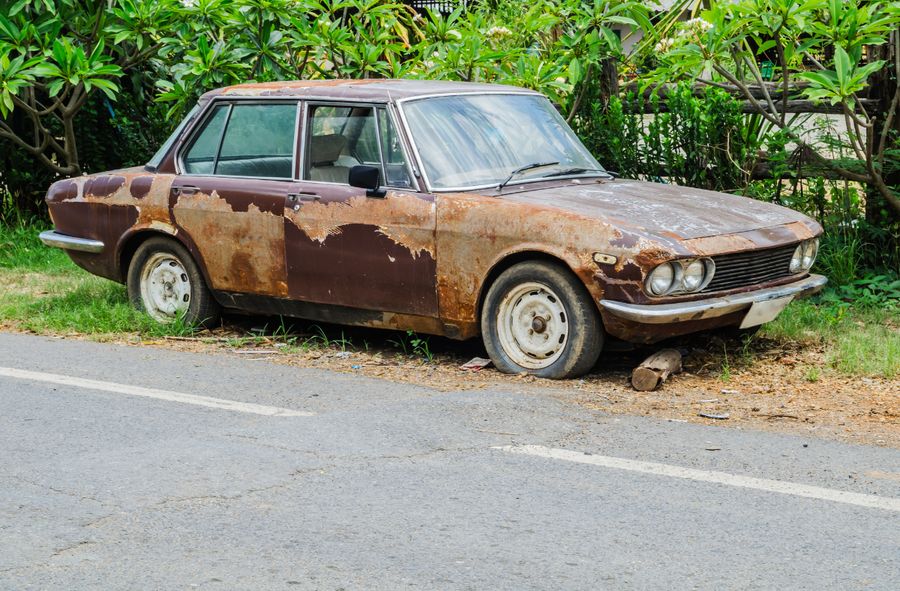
<point>136,468</point>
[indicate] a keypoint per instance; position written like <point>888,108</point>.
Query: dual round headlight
<point>685,276</point>
<point>804,256</point>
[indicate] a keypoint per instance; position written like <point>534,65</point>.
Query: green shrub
<point>699,141</point>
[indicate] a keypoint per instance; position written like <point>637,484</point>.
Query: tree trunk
<point>882,87</point>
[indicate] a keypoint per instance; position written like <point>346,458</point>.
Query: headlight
<point>684,276</point>
<point>661,279</point>
<point>810,250</point>
<point>796,259</point>
<point>804,256</point>
<point>694,273</point>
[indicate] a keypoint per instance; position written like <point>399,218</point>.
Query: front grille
<point>750,268</point>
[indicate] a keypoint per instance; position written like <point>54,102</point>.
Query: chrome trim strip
<point>56,240</point>
<point>403,136</point>
<point>711,307</point>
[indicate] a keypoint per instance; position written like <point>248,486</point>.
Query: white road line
<point>776,486</point>
<point>247,407</point>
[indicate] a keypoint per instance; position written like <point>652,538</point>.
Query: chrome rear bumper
<point>51,238</point>
<point>712,307</point>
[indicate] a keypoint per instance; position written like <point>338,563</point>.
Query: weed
<point>420,346</point>
<point>840,257</point>
<point>414,344</point>
<point>402,342</point>
<point>317,340</point>
<point>725,373</point>
<point>344,343</point>
<point>812,374</point>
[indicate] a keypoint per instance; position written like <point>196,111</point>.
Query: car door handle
<point>294,197</point>
<point>185,190</point>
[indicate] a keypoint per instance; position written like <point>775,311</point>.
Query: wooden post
<point>654,370</point>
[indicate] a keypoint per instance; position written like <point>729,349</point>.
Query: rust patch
<point>475,233</point>
<point>152,206</point>
<point>719,244</point>
<point>242,251</point>
<point>635,332</point>
<point>104,207</point>
<point>650,257</point>
<point>264,88</point>
<point>410,219</point>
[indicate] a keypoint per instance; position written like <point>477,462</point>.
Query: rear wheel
<point>164,282</point>
<point>537,318</point>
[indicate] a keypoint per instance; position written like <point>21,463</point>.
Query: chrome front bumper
<point>712,307</point>
<point>51,238</point>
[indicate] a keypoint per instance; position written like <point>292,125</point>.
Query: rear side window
<point>200,158</point>
<point>248,140</point>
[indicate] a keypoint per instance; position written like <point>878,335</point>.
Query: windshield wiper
<point>578,170</point>
<point>523,169</point>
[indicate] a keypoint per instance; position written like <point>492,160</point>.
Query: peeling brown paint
<point>242,251</point>
<point>150,197</point>
<point>409,219</point>
<point>140,186</point>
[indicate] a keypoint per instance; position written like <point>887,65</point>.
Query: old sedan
<point>444,208</point>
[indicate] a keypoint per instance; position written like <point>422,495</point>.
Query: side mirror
<point>367,177</point>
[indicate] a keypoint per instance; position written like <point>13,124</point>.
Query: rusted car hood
<point>668,210</point>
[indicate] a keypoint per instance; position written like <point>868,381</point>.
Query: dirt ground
<point>764,385</point>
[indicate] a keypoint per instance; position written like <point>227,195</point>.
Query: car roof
<point>376,90</point>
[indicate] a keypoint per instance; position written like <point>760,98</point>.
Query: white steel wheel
<point>533,325</point>
<point>538,318</point>
<point>165,282</point>
<point>165,287</point>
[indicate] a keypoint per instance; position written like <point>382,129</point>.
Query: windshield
<point>154,162</point>
<point>473,141</point>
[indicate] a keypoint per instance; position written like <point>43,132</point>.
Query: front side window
<point>245,140</point>
<point>478,140</point>
<point>342,137</point>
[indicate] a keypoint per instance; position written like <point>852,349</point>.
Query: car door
<point>235,174</point>
<point>347,248</point>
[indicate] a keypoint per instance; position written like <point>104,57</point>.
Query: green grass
<point>20,248</point>
<point>858,340</point>
<point>41,290</point>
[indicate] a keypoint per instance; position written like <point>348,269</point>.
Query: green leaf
<point>55,86</point>
<point>6,105</point>
<point>622,20</point>
<point>17,7</point>
<point>575,71</point>
<point>842,65</point>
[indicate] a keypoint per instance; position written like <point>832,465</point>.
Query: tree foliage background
<point>89,85</point>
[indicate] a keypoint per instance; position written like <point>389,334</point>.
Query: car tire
<point>165,282</point>
<point>537,318</point>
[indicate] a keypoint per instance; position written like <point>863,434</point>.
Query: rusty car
<point>445,208</point>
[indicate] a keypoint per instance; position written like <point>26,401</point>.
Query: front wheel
<point>537,318</point>
<point>164,282</point>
